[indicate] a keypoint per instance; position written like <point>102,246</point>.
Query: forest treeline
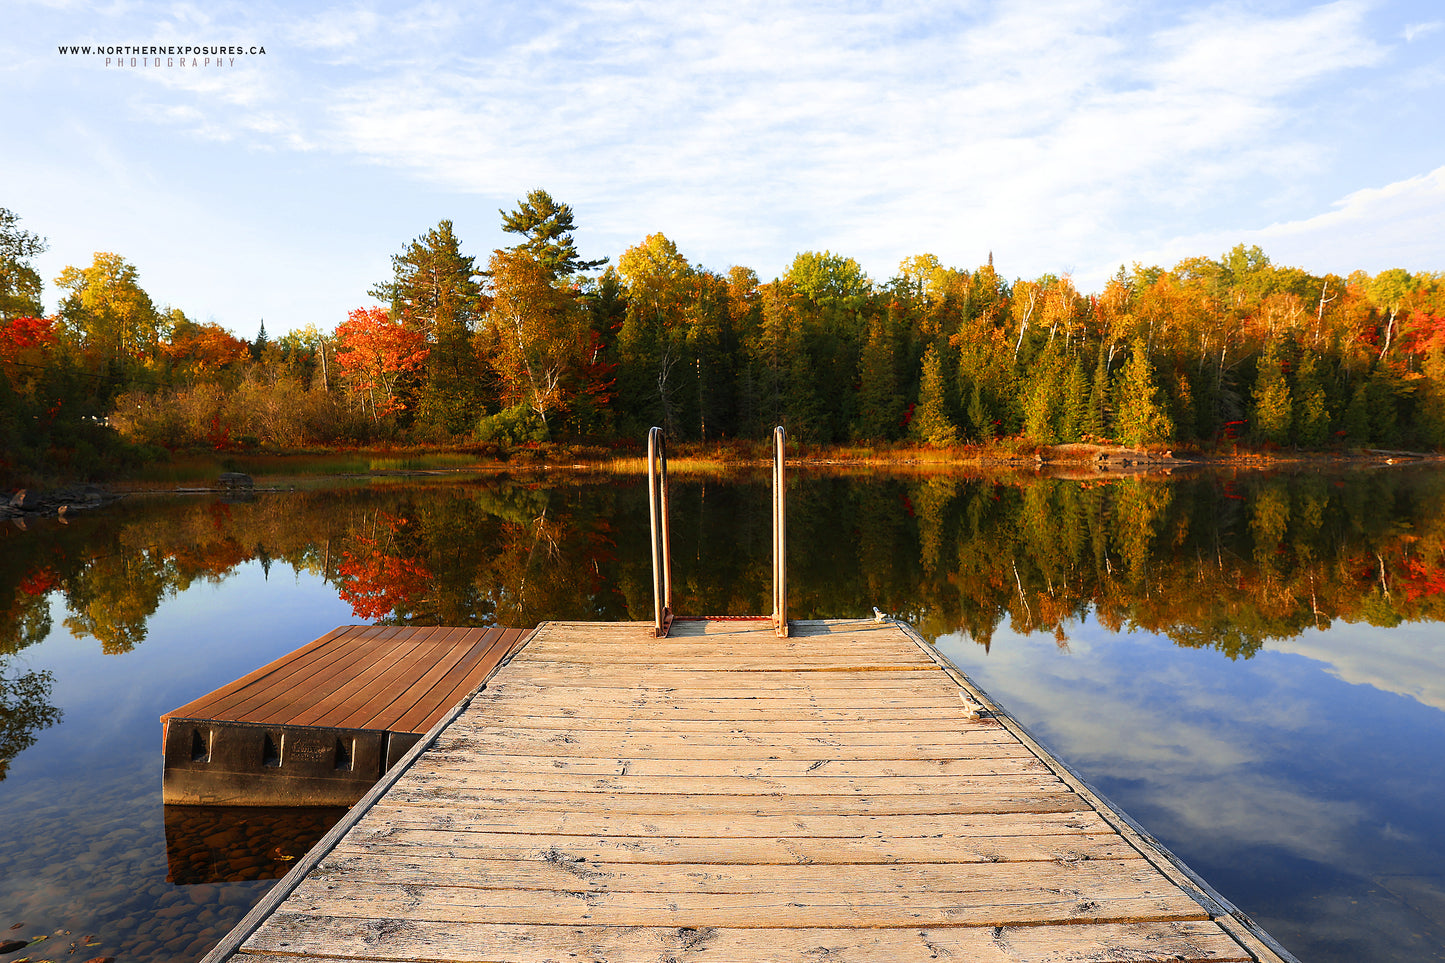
<point>538,344</point>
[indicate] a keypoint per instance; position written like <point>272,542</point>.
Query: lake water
<point>1253,667</point>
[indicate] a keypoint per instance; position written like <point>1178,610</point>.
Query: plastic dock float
<point>319,726</point>
<point>842,794</point>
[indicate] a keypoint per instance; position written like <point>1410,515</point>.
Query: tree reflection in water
<point>1218,562</point>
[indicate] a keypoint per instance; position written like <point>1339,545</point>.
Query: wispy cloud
<point>1416,30</point>
<point>1063,135</point>
<point>1396,225</point>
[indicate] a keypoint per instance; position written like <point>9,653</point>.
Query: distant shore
<point>203,468</point>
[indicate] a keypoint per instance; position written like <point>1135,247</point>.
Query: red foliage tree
<point>374,352</point>
<point>25,348</point>
<point>204,348</point>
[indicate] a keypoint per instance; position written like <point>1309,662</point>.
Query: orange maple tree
<point>374,352</point>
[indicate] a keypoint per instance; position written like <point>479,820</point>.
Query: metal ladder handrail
<point>662,534</point>
<point>780,536</point>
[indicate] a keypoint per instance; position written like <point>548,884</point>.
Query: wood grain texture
<point>388,678</point>
<point>725,795</point>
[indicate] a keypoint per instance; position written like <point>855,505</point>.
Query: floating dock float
<point>318,726</point>
<point>727,794</point>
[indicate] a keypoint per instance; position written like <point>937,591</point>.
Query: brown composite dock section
<point>723,794</point>
<point>320,724</point>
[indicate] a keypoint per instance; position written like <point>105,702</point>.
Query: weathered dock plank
<point>724,794</point>
<point>319,725</point>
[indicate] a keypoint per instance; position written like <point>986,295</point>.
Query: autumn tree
<point>107,312</point>
<point>653,349</point>
<point>1311,412</point>
<point>19,282</point>
<point>435,290</point>
<point>931,424</point>
<point>200,350</point>
<point>535,334</point>
<point>374,353</point>
<point>1273,409</point>
<point>1142,418</point>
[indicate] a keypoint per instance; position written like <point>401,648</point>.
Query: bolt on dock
<point>723,793</point>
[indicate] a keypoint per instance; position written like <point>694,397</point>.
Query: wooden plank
<point>541,677</point>
<point>465,800</point>
<point>1017,762</point>
<point>1003,904</point>
<point>429,650</point>
<point>741,711</point>
<point>410,680</point>
<point>356,691</point>
<point>677,722</point>
<point>218,696</point>
<point>406,842</point>
<point>350,939</point>
<point>1113,878</point>
<point>489,649</point>
<point>694,733</point>
<point>340,680</point>
<point>318,668</point>
<point>500,780</point>
<point>702,825</point>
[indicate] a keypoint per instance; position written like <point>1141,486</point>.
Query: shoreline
<point>200,472</point>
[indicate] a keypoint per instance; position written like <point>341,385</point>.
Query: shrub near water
<point>281,414</point>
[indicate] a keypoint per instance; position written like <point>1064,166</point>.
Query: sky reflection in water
<point>1305,797</point>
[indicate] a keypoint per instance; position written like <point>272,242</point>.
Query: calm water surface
<point>1251,667</point>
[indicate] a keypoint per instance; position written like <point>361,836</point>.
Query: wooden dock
<point>723,794</point>
<point>319,725</point>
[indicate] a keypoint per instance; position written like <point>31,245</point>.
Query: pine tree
<point>434,290</point>
<point>1142,419</point>
<point>1076,402</point>
<point>1096,420</point>
<point>880,400</point>
<point>259,345</point>
<point>1273,408</point>
<point>931,424</point>
<point>1043,402</point>
<point>547,227</point>
<point>980,415</point>
<point>1311,416</point>
<point>1356,426</point>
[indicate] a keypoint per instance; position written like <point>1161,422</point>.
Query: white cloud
<point>1408,661</point>
<point>1065,136</point>
<point>1416,30</point>
<point>1398,225</point>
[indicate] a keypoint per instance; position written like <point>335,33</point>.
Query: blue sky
<point>1065,137</point>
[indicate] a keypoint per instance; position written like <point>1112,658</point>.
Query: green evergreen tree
<point>1311,414</point>
<point>547,227</point>
<point>1096,420</point>
<point>980,416</point>
<point>435,289</point>
<point>1356,422</point>
<point>931,424</point>
<point>880,398</point>
<point>258,347</point>
<point>1142,418</point>
<point>1273,408</point>
<point>1384,392</point>
<point>1182,408</point>
<point>1076,402</point>
<point>1043,401</point>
